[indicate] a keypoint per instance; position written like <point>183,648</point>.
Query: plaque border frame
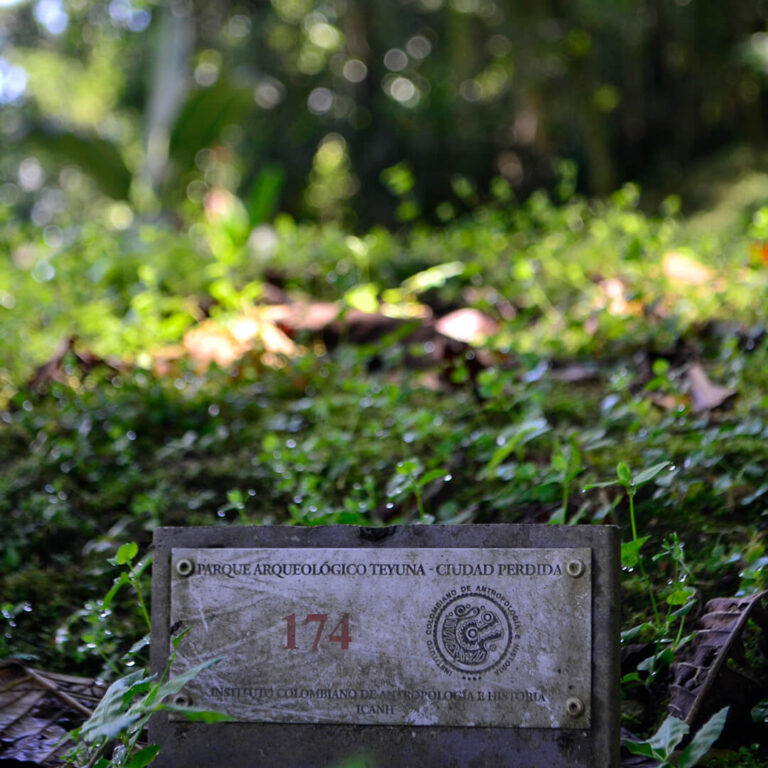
<point>284,745</point>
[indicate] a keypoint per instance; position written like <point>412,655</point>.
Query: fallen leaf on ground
<point>613,298</point>
<point>214,342</point>
<point>669,402</point>
<point>704,394</point>
<point>576,372</point>
<point>37,709</point>
<point>468,325</point>
<point>303,316</point>
<point>679,268</point>
<point>54,368</point>
<point>713,670</point>
<point>210,342</point>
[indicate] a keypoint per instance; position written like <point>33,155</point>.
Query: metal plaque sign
<point>410,645</point>
<point>459,637</point>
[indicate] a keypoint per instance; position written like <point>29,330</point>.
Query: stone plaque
<point>419,645</point>
<point>420,636</point>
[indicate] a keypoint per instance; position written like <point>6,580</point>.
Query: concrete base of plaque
<point>422,646</point>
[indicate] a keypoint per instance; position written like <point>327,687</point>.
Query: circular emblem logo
<point>473,633</point>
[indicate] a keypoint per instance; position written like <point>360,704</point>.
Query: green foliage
<point>661,746</point>
<point>366,116</point>
<point>743,757</point>
<point>142,182</point>
<point>126,288</point>
<point>569,391</point>
<point>121,715</point>
<point>760,711</point>
<point>666,628</point>
<point>630,551</point>
<point>110,737</point>
<point>411,478</point>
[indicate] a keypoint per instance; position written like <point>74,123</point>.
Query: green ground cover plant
<point>602,314</point>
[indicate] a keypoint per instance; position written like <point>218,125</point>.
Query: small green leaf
<point>108,727</point>
<point>605,484</point>
<point>117,585</point>
<point>560,463</point>
<point>109,719</point>
<point>624,473</point>
<point>143,757</point>
<point>680,612</point>
<point>705,737</point>
<point>434,277</point>
<point>630,634</point>
<point>175,684</point>
<point>408,467</point>
<point>670,734</point>
<point>760,712</point>
<point>640,748</point>
<point>511,439</point>
<point>657,662</point>
<point>433,474</point>
<point>662,744</point>
<point>138,645</point>
<point>630,551</point>
<point>176,640</point>
<point>660,366</point>
<point>681,596</point>
<point>235,498</point>
<point>199,715</point>
<point>648,474</point>
<point>139,689</point>
<point>127,552</point>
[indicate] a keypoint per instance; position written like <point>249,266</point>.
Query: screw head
<point>574,707</point>
<point>574,568</point>
<point>184,567</point>
<point>181,700</point>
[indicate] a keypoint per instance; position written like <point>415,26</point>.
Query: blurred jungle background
<point>340,110</point>
<point>389,261</point>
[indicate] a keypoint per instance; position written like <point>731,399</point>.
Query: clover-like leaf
<point>630,551</point>
<point>126,553</point>
<point>681,596</point>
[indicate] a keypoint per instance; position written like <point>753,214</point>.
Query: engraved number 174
<point>339,634</point>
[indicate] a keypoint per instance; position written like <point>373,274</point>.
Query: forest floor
<point>572,364</point>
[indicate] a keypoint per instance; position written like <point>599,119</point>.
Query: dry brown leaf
<point>713,669</point>
<point>213,342</point>
<point>210,342</point>
<point>612,297</point>
<point>704,394</point>
<point>303,316</point>
<point>679,268</point>
<point>468,325</point>
<point>613,291</point>
<point>669,402</point>
<point>576,372</point>
<point>37,709</point>
<point>268,330</point>
<point>254,332</point>
<point>54,369</point>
